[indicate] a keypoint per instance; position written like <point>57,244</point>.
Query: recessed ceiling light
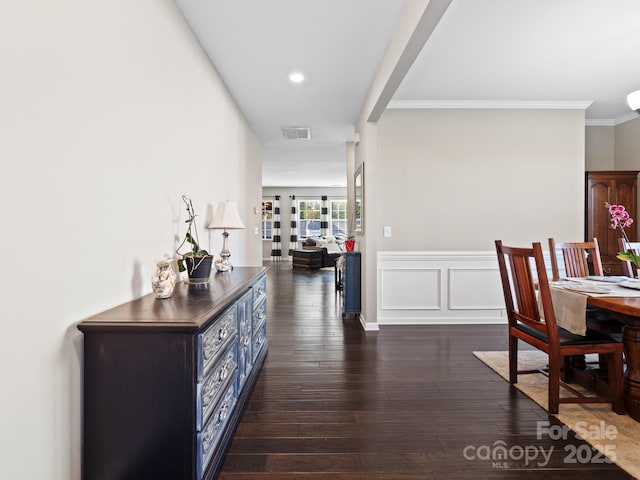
<point>296,77</point>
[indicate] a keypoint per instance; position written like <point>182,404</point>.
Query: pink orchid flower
<point>620,219</point>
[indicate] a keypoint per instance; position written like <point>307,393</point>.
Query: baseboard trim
<point>368,326</point>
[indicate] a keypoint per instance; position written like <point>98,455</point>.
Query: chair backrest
<point>633,247</point>
<point>577,256</point>
<point>519,287</point>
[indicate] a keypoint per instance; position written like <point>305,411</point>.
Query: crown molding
<point>599,122</point>
<point>509,104</point>
<point>610,122</point>
<point>625,118</point>
<point>498,104</point>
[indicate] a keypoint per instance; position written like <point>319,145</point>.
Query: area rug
<point>575,416</point>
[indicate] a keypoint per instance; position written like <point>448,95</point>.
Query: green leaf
<point>193,242</point>
<point>629,257</point>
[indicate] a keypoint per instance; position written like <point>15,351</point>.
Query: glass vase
<point>163,280</point>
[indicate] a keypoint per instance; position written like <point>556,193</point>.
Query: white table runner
<point>570,305</point>
<point>614,290</point>
<point>570,310</point>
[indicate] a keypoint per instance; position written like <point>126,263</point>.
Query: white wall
<point>627,145</point>
<point>613,148</point>
<point>109,112</point>
<point>599,148</point>
<point>456,180</point>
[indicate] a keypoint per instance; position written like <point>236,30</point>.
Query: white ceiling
<point>481,52</point>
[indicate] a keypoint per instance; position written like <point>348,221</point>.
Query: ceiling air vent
<point>296,133</point>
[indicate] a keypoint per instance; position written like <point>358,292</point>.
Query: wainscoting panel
<point>439,288</point>
<point>411,289</point>
<point>474,288</point>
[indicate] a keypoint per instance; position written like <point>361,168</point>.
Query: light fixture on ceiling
<point>296,133</point>
<point>633,99</point>
<point>296,77</point>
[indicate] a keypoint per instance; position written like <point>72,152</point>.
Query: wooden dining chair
<point>528,324</point>
<point>634,247</point>
<point>576,256</point>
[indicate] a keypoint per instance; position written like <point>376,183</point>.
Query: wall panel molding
<point>411,289</point>
<point>439,288</point>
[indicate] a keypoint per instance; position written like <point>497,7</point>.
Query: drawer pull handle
<point>223,333</point>
<point>224,411</point>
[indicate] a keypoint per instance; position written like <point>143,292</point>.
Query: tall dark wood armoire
<point>614,187</point>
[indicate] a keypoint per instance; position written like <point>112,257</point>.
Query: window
<point>267,220</point>
<point>309,218</point>
<point>338,219</point>
<point>310,214</point>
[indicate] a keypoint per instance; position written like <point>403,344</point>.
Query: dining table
<point>627,311</point>
<point>623,305</point>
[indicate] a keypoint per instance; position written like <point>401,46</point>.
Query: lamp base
<point>223,264</point>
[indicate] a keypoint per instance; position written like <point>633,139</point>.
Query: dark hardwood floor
<point>407,402</point>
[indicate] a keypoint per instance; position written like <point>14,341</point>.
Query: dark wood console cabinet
<point>351,284</point>
<point>614,187</point>
<point>166,380</point>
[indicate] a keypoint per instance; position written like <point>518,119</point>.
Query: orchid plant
<point>191,237</point>
<point>620,219</point>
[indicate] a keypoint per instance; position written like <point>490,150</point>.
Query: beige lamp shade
<point>226,217</point>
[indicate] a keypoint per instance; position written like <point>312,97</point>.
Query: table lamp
<point>226,218</point>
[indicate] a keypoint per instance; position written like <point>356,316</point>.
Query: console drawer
<point>259,291</point>
<point>207,440</point>
<point>259,315</point>
<point>214,339</point>
<point>259,339</point>
<point>209,391</point>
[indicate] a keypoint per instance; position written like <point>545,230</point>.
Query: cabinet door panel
<point>598,194</point>
<point>613,187</point>
<point>626,195</point>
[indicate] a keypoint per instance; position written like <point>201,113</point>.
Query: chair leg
<point>513,359</point>
<point>616,382</point>
<point>566,369</point>
<point>554,383</point>
<point>602,361</point>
